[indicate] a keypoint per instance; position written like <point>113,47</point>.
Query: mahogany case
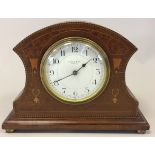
<point>114,109</point>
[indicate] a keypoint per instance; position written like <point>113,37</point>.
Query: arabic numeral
<point>86,53</point>
<point>75,49</point>
<point>95,82</point>
<point>63,53</point>
<point>75,93</point>
<point>56,83</point>
<point>98,71</point>
<point>55,61</point>
<point>96,60</point>
<point>51,72</point>
<point>87,89</point>
<point>64,90</point>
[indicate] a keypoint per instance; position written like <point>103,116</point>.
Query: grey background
<point>140,74</point>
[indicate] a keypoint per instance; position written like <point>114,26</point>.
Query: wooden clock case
<point>115,109</point>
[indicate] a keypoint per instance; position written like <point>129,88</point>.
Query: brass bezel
<point>72,101</point>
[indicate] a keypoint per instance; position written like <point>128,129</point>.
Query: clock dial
<point>75,70</point>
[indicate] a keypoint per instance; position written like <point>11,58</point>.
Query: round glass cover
<point>75,70</point>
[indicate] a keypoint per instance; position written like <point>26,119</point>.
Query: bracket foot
<point>10,130</point>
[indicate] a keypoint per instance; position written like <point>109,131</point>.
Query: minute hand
<point>63,78</point>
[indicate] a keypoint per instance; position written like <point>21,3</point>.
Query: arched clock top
<point>106,35</point>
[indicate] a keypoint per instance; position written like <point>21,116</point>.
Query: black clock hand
<point>83,65</point>
<point>63,78</point>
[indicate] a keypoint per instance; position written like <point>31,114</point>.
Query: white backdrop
<point>140,73</point>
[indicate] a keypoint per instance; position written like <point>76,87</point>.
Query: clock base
<point>136,124</point>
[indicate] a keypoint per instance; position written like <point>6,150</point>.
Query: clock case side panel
<point>35,100</point>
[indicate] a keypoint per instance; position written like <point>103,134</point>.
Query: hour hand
<point>84,65</point>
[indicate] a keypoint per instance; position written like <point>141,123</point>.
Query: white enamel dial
<point>74,70</point>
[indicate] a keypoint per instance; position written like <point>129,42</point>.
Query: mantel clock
<point>75,80</point>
